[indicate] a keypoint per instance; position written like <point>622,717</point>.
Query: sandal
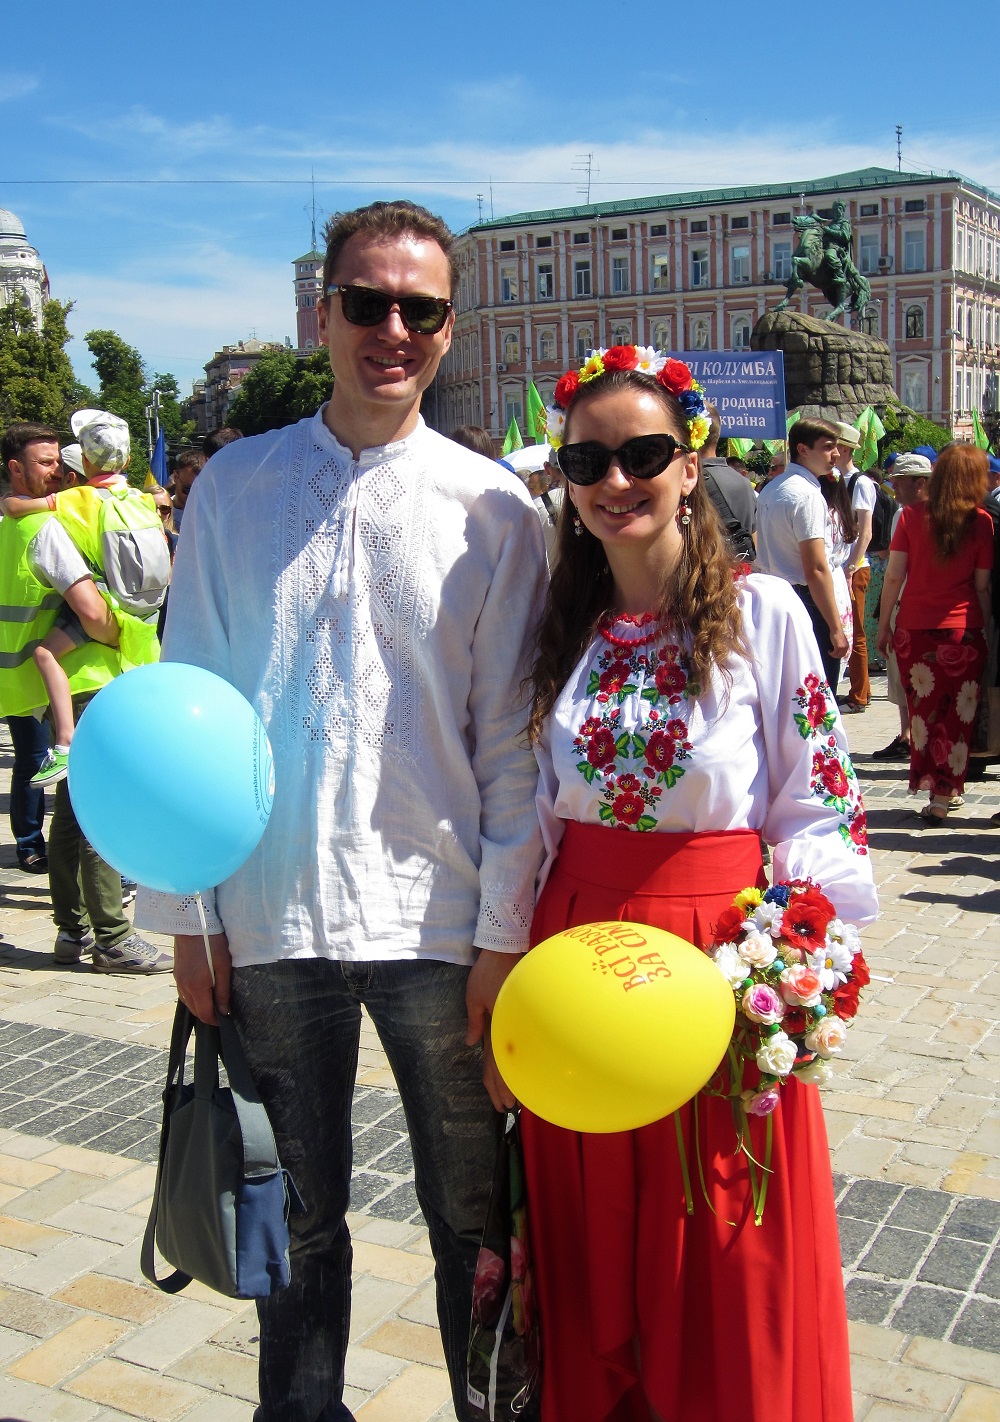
<point>926,813</point>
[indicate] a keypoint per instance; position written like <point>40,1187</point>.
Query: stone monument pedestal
<point>830,372</point>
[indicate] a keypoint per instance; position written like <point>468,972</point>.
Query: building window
<point>740,222</point>
<point>699,266</point>
<point>511,348</point>
<point>914,387</point>
<point>970,253</point>
<point>546,281</point>
<point>914,324</point>
<point>869,253</point>
<point>741,333</point>
<point>871,319</point>
<point>584,342</point>
<point>580,239</point>
<point>507,245</point>
<point>543,241</point>
<point>781,260</point>
<point>546,345</point>
<point>868,209</point>
<point>658,229</point>
<point>958,390</point>
<point>700,226</point>
<point>508,284</point>
<point>914,205</point>
<point>512,408</point>
<point>781,219</point>
<point>661,336</point>
<point>699,333</point>
<point>968,391</point>
<point>958,318</point>
<point>660,272</point>
<point>619,234</point>
<point>740,264</point>
<point>581,278</point>
<point>622,334</point>
<point>913,252</point>
<point>620,278</point>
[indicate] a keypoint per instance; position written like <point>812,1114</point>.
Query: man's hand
<point>194,982</point>
<point>838,642</point>
<point>486,978</point>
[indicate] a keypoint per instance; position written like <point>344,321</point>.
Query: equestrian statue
<point>824,257</point>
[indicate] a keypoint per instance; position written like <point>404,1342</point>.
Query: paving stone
<point>86,1162</point>
<point>27,1402</point>
<point>953,1261</point>
<point>855,1236</point>
<point>927,1311</point>
<point>978,1325</point>
<point>369,1370</point>
<point>24,1235</point>
<point>372,1143</point>
<point>222,1409</point>
<point>975,1219</point>
<point>869,1200</point>
<point>219,1370</point>
<point>62,1189</point>
<point>869,1301</point>
<point>920,1210</point>
<point>386,1263</point>
<point>977,1404</point>
<point>160,1343</point>
<point>242,1335</point>
<point>399,1204</point>
<point>136,1391</point>
<point>970,1363</point>
<point>402,1339</point>
<point>54,1360</point>
<point>53,1270</point>
<point>989,1280</point>
<point>29,1313</point>
<point>25,1173</point>
<point>116,1297</point>
<point>414,1394</point>
<point>895,1253</point>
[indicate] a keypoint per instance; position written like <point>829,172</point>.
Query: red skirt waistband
<point>658,862</point>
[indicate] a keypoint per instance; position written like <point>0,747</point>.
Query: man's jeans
<point>83,887</point>
<point>831,664</point>
<point>300,1022</point>
<point>30,740</point>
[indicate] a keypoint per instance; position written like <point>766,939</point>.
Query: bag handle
<point>179,1035</point>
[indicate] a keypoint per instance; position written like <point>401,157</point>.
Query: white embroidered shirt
<point>376,614</point>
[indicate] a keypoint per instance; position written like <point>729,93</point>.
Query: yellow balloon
<point>609,1026</point>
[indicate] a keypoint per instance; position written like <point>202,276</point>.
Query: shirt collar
<point>801,470</point>
<point>376,453</point>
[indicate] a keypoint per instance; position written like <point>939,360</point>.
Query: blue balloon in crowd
<point>181,822</point>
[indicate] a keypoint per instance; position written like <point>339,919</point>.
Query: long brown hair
<point>958,487</point>
<point>838,501</point>
<point>698,598</point>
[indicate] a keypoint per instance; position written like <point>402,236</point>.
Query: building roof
<point>11,225</point>
<point>312,256</point>
<point>840,182</point>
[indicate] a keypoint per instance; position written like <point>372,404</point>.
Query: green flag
<point>536,414</point>
<point>774,446</point>
<point>512,439</point>
<point>979,434</point>
<point>793,416</point>
<point>739,448</point>
<point>872,429</point>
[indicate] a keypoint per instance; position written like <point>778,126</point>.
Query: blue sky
<point>429,102</point>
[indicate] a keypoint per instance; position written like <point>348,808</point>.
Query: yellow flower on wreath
<point>592,368</point>
<point>698,429</point>
<point>748,899</point>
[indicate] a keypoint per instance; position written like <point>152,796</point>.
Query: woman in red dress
<point>679,714</point>
<point>940,556</point>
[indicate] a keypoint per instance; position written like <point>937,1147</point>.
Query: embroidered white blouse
<point>375,612</point>
<point>628,745</point>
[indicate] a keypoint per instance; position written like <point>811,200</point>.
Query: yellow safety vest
<point>28,608</point>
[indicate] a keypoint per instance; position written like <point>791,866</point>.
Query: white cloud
<point>16,86</point>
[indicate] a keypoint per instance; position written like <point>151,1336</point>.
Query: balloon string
<point>685,1172</point>
<point>204,933</point>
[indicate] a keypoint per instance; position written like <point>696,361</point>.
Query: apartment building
<point>695,271</point>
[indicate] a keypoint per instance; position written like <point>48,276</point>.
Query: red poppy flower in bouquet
<point>804,925</point>
<point>730,925</point>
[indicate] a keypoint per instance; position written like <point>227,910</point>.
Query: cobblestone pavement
<point>913,1120</point>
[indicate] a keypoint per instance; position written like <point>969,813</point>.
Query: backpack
<point>135,558</point>
<point>882,514</point>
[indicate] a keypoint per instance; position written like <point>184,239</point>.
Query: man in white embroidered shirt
<point>371,587</point>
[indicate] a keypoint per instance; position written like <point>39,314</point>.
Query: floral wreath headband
<point>672,374</point>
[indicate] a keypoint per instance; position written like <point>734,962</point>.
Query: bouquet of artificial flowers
<point>797,972</point>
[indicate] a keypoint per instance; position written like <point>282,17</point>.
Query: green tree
<point>281,389</point>
<point>126,390</point>
<point>36,377</point>
<point>905,430</point>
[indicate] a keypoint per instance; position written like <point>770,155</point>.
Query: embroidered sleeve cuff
<point>504,919</point>
<point>172,913</point>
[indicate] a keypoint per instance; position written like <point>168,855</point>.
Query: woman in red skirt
<point>680,715</point>
<point>940,556</point>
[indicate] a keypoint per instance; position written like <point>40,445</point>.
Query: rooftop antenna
<point>491,200</point>
<point>586,166</point>
<point>899,148</point>
<point>479,199</point>
<point>312,182</point>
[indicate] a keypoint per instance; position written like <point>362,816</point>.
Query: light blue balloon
<point>185,820</point>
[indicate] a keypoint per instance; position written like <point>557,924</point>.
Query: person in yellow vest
<point>105,452</point>
<point>40,568</point>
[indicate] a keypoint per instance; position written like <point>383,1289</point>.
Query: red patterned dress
<point>653,803</point>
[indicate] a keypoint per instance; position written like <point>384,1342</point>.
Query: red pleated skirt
<point>651,1313</point>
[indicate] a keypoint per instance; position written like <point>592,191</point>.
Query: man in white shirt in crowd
<point>858,568</point>
<point>791,534</point>
<point>380,627</point>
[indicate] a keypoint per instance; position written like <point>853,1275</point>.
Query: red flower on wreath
<point>813,898</point>
<point>621,358</point>
<point>729,926</point>
<point>660,750</point>
<point>859,970</point>
<point>566,389</point>
<point>676,377</point>
<point>628,808</point>
<point>601,750</point>
<point>616,676</point>
<point>845,999</point>
<point>804,925</point>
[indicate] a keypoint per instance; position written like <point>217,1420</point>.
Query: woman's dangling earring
<point>577,525</point>
<point>684,511</point>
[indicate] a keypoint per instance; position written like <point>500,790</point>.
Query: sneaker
<point>899,749</point>
<point>71,947</point>
<point>129,887</point>
<point>54,767</point>
<point>132,955</point>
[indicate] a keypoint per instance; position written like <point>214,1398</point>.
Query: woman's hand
<point>884,640</point>
<point>486,977</point>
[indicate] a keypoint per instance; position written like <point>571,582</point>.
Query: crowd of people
<point>498,712</point>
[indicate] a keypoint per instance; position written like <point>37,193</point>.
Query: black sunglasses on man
<point>367,306</point>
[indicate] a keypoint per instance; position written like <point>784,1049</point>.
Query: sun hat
<point>847,434</point>
<point>913,466</point>
<point>72,457</point>
<point>104,439</point>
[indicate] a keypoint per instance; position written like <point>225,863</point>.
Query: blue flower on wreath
<point>779,894</point>
<point>691,402</point>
